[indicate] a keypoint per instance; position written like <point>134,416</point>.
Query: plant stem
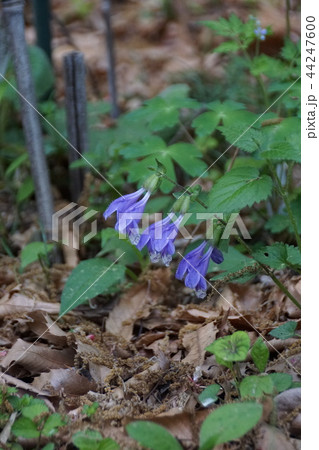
<point>283,194</point>
<point>287,18</point>
<point>271,274</point>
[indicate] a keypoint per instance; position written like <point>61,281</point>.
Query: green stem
<point>283,194</point>
<point>258,78</point>
<point>271,274</point>
<point>287,18</point>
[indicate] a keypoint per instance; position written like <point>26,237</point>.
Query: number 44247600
<point>310,45</point>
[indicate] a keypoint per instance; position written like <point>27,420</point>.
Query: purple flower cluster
<point>159,239</point>
<point>260,33</point>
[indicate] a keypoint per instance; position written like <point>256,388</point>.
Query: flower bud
<point>152,183</point>
<point>182,204</point>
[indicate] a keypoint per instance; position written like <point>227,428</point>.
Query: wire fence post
<point>42,17</point>
<point>76,115</point>
<point>106,9</point>
<point>14,25</point>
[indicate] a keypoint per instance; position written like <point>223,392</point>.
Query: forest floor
<point>138,353</point>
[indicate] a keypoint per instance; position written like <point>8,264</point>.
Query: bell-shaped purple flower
<point>194,267</point>
<point>129,211</point>
<point>159,239</point>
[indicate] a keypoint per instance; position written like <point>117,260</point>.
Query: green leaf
<point>226,47</point>
<point>281,141</point>
<point>224,112</point>
<point>256,386</point>
<point>281,381</point>
<point>89,410</point>
<point>25,428</point>
<point>238,188</point>
<point>279,256</point>
<point>49,446</point>
<point>38,407</point>
<point>25,190</point>
<point>31,252</point>
<point>205,123</point>
<point>285,331</point>
<point>234,261</point>
<point>152,436</point>
<point>228,422</point>
<point>209,395</point>
<point>154,149</point>
<point>247,139</point>
<point>231,348</point>
<point>89,279</point>
<point>41,70</point>
<point>93,440</point>
<point>108,444</point>
<point>260,354</point>
<point>16,163</point>
<point>52,424</point>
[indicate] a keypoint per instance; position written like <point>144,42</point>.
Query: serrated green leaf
<point>52,424</point>
<point>260,354</point>
<point>152,436</point>
<point>256,386</point>
<point>231,348</point>
<point>31,252</point>
<point>25,428</point>
<point>243,137</point>
<point>34,410</point>
<point>89,279</point>
<point>281,381</point>
<point>238,188</point>
<point>285,331</point>
<point>228,422</point>
<point>279,256</point>
<point>209,395</point>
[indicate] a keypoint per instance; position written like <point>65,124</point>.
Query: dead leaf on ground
<point>196,341</point>
<point>195,313</point>
<point>38,358</point>
<point>270,438</point>
<point>136,304</point>
<point>42,325</point>
<point>20,304</point>
<point>69,381</point>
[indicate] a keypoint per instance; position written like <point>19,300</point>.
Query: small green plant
<point>36,251</point>
<point>232,349</point>
<point>33,418</point>
<point>90,410</point>
<point>93,440</point>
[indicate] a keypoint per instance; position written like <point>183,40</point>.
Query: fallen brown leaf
<point>68,381</point>
<point>42,325</point>
<point>196,341</point>
<point>20,304</point>
<point>37,358</point>
<point>136,303</point>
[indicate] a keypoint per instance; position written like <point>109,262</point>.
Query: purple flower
<point>159,239</point>
<point>129,211</point>
<point>260,33</point>
<point>195,265</point>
